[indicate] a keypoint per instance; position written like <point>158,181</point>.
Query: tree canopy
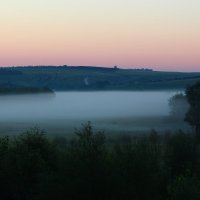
<point>193,115</point>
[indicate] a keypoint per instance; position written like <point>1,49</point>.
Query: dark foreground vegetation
<point>91,166</point>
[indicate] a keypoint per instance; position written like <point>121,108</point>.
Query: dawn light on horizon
<point>160,34</point>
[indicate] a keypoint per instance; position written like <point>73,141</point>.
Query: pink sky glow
<point>163,35</point>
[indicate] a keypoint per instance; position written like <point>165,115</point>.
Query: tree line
<point>187,107</point>
<point>91,166</point>
<point>6,90</point>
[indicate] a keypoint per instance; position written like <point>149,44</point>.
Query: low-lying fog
<point>85,106</point>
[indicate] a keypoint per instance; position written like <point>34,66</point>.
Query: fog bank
<point>84,105</point>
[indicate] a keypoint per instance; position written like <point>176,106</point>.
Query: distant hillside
<point>24,90</point>
<point>94,78</point>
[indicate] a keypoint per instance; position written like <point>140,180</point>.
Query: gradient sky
<point>162,34</point>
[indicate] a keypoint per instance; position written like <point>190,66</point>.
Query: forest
<point>92,166</point>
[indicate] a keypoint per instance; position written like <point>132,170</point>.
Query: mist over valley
<point>108,110</point>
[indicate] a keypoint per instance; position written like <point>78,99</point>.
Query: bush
<point>184,188</point>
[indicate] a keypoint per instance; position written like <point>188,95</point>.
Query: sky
<point>159,34</point>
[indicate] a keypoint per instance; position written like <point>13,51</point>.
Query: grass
<point>111,126</point>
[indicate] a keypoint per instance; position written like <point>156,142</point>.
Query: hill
<point>61,78</point>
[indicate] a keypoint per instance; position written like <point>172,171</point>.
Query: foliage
<point>178,106</point>
<point>181,153</point>
<point>140,167</point>
<point>30,157</point>
<point>193,115</point>
<point>185,187</point>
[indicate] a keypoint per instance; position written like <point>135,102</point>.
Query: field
<point>111,127</point>
<point>64,78</point>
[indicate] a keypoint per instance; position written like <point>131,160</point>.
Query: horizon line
<point>109,67</point>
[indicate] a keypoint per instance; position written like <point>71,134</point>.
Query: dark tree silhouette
<point>178,106</point>
<point>193,115</point>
